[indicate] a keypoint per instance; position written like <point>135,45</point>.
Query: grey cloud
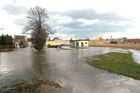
<point>91,14</point>
<point>108,23</point>
<point>20,22</point>
<point>104,27</point>
<point>14,9</point>
<point>86,13</point>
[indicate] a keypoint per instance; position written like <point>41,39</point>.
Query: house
<point>121,40</point>
<point>132,41</point>
<point>81,43</point>
<point>57,42</point>
<point>20,41</point>
<point>29,42</point>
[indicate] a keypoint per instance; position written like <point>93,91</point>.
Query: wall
<point>85,43</point>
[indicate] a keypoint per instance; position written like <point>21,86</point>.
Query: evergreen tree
<point>3,40</point>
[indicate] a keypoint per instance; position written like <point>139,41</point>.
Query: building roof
<point>132,40</point>
<point>20,36</point>
<point>80,40</point>
<point>56,38</point>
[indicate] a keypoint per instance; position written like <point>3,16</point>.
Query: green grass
<point>121,63</point>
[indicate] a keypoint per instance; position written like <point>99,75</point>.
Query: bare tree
<point>37,25</point>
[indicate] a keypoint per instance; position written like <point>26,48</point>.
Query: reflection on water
<point>15,65</point>
<point>64,67</point>
<point>21,64</point>
<point>38,62</point>
<point>83,52</point>
<point>3,63</point>
<point>136,55</point>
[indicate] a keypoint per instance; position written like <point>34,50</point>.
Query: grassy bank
<point>121,63</point>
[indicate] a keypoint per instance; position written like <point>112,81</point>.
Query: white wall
<point>85,43</point>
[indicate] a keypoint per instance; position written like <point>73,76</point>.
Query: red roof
<point>132,40</point>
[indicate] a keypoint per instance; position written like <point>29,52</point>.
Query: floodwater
<point>65,67</point>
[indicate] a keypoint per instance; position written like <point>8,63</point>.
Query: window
<point>82,44</point>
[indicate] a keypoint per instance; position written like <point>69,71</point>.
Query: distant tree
<point>3,40</point>
<point>6,40</point>
<point>0,40</point>
<point>37,25</point>
<point>10,40</point>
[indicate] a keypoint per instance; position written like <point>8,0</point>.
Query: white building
<point>20,41</point>
<point>81,43</point>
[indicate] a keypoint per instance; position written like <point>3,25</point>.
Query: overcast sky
<point>76,18</point>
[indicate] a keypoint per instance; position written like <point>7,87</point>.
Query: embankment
<point>127,46</point>
<point>6,48</point>
<point>120,63</point>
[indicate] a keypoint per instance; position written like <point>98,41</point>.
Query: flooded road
<point>66,67</point>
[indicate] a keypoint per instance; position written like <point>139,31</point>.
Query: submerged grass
<point>35,85</point>
<point>23,86</point>
<point>121,63</point>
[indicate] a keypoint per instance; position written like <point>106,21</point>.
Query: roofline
<point>81,40</point>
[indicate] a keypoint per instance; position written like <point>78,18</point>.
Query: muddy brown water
<point>67,68</point>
